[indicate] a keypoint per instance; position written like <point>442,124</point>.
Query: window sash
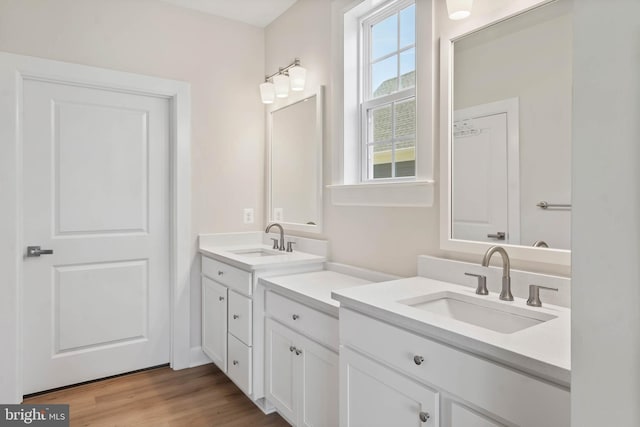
<point>368,102</point>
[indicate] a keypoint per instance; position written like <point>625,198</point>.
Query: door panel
<point>279,365</point>
<point>479,179</point>
<point>214,325</point>
<point>373,395</point>
<point>96,191</point>
<point>319,376</point>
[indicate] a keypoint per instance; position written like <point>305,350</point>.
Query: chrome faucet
<point>275,224</point>
<point>505,294</point>
<point>540,244</point>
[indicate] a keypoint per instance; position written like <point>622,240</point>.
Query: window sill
<point>388,194</point>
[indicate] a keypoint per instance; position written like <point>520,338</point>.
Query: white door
<point>96,192</point>
<point>279,365</point>
<point>214,322</point>
<point>372,395</point>
<point>319,381</point>
<point>480,180</point>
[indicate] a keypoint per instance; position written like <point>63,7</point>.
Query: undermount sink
<point>491,315</point>
<point>257,252</point>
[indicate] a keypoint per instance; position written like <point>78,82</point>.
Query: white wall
<point>379,238</point>
<point>222,60</point>
<point>605,377</point>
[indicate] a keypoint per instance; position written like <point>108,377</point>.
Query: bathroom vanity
<point>233,304</point>
<point>421,351</point>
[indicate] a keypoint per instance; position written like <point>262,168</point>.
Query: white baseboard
<point>198,357</point>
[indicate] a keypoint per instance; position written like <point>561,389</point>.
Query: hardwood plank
<point>201,396</point>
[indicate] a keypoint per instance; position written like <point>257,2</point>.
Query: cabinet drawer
<point>239,364</point>
<point>312,323</point>
<point>232,277</point>
<point>462,374</point>
<point>239,315</point>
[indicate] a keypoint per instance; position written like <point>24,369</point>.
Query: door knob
<point>33,251</point>
<point>500,235</point>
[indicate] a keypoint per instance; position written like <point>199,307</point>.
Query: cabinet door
<point>318,377</point>
<point>214,322</point>
<point>373,395</point>
<point>279,364</point>
<point>455,414</point>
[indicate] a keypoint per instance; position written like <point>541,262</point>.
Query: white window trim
<point>347,188</point>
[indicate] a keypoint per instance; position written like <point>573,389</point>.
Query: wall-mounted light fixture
<point>459,9</point>
<point>277,85</point>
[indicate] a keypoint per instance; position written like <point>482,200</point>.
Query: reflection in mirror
<point>510,160</point>
<point>296,163</point>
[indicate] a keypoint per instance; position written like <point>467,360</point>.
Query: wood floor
<point>201,396</point>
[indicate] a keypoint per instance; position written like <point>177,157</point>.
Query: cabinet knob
<point>292,349</point>
<point>220,272</point>
<point>235,316</point>
<point>298,352</point>
<point>418,360</point>
<point>221,298</point>
<point>295,317</point>
<point>235,362</point>
<point>424,416</point>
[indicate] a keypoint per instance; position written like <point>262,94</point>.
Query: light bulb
<point>281,82</point>
<point>267,92</point>
<point>459,9</point>
<point>297,76</point>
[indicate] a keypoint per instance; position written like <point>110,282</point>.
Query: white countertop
<point>314,289</point>
<point>543,350</point>
<point>246,262</point>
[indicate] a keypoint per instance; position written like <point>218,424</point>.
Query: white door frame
<point>14,69</point>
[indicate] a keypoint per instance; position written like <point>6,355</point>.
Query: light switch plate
<point>277,214</point>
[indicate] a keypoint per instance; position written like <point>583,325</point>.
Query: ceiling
<point>255,12</point>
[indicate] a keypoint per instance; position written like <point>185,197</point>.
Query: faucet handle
<point>290,246</point>
<point>534,295</point>
<point>275,243</point>
<point>481,288</point>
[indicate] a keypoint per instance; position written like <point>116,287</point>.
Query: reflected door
<point>96,181</point>
<point>480,180</point>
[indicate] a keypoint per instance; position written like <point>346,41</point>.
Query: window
<point>388,92</point>
<point>383,155</point>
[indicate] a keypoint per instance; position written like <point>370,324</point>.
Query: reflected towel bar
<point>545,205</point>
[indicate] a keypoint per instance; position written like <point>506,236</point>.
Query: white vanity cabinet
<point>233,320</point>
<point>301,362</point>
<point>388,373</point>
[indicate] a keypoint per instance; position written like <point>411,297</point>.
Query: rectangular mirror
<point>507,157</point>
<point>295,165</point>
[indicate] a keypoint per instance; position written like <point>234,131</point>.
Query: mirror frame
<point>319,142</point>
<point>447,243</point>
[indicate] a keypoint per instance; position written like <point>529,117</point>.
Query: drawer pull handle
<point>221,298</point>
<point>424,416</point>
<point>295,317</point>
<point>220,272</point>
<point>235,362</point>
<point>418,360</point>
<point>235,316</point>
<point>292,349</point>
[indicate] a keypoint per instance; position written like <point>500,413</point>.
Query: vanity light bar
<point>277,85</point>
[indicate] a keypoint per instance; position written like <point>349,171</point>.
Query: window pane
<point>380,161</point>
<point>408,26</point>
<point>408,68</point>
<point>380,124</point>
<point>384,37</point>
<point>405,118</point>
<point>384,77</point>
<point>406,158</point>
